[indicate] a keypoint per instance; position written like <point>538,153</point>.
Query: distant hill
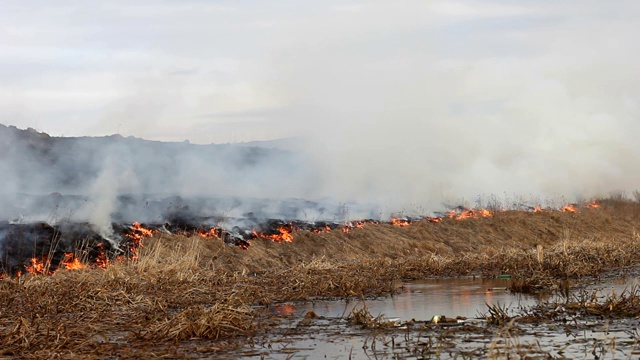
<point>35,162</point>
<point>290,143</point>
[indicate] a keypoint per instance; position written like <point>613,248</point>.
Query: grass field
<point>183,288</point>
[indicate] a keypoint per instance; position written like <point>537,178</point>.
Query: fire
<point>325,228</point>
<point>399,222</point>
<point>593,205</point>
<point>138,232</point>
<point>39,266</point>
<point>211,233</point>
<point>484,213</point>
<point>102,260</point>
<point>283,235</point>
<point>538,209</point>
<point>469,214</point>
<point>70,262</point>
<point>570,208</point>
<point>434,220</point>
<point>353,225</point>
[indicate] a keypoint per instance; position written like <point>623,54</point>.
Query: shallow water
<point>423,299</point>
<point>331,337</point>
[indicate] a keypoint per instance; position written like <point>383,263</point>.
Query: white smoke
<point>397,106</point>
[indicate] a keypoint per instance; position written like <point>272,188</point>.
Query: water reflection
<point>423,299</point>
<point>581,337</point>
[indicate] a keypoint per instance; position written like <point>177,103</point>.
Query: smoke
<point>115,177</point>
<point>397,107</point>
<point>426,105</point>
<point>110,179</point>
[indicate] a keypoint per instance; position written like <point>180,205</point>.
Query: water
<point>423,299</point>
<point>331,337</point>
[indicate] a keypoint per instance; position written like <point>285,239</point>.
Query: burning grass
<point>180,288</point>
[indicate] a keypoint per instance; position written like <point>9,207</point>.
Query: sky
<point>489,96</point>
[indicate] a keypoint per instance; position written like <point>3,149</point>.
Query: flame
<point>469,214</point>
<point>484,213</point>
<point>325,228</point>
<point>138,232</point>
<point>102,260</point>
<point>283,235</point>
<point>570,208</point>
<point>399,222</point>
<point>538,209</point>
<point>353,225</point>
<point>434,220</point>
<point>70,262</point>
<point>211,233</point>
<point>39,266</point>
<point>593,205</point>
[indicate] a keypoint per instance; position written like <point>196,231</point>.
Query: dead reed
<point>185,288</point>
<point>215,322</point>
<point>626,304</point>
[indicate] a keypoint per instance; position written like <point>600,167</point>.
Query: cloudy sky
<point>481,90</point>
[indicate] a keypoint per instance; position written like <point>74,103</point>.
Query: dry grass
<point>626,304</point>
<point>363,318</point>
<point>218,321</point>
<point>184,288</point>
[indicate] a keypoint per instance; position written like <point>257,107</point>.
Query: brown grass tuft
<point>218,321</point>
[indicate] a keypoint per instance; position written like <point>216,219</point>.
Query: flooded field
<point>452,318</point>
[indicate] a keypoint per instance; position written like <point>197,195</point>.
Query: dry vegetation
<point>186,288</point>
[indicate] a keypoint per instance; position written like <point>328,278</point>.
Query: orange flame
<point>284,235</point>
<point>484,213</point>
<point>399,222</point>
<point>469,213</point>
<point>211,233</point>
<point>353,225</point>
<point>102,260</point>
<point>538,209</point>
<point>39,266</point>
<point>138,233</point>
<point>570,208</point>
<point>593,205</point>
<point>71,263</point>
